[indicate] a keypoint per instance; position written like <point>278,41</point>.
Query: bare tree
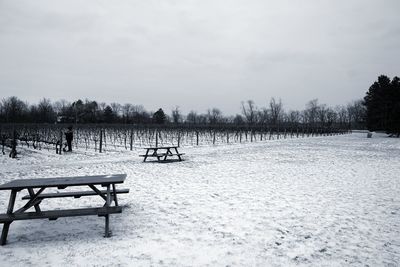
<point>102,106</point>
<point>249,111</point>
<point>321,114</point>
<point>116,108</point>
<point>176,115</point>
<point>331,117</point>
<point>60,107</point>
<point>311,112</point>
<point>341,112</point>
<point>264,116</point>
<point>294,117</point>
<point>139,114</point>
<point>214,116</point>
<point>192,118</point>
<point>126,112</point>
<point>357,113</point>
<point>14,109</point>
<point>276,109</point>
<point>238,120</point>
<point>45,111</point>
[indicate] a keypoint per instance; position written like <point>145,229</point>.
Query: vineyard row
<point>117,138</point>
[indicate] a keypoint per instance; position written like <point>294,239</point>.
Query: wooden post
<point>2,142</point>
<point>108,200</point>
<point>101,141</point>
<point>227,137</point>
<point>13,152</point>
<point>131,141</point>
<point>197,137</point>
<point>61,141</point>
<point>156,132</point>
<point>214,137</point>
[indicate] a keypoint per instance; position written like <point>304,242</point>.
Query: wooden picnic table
<point>35,198</point>
<point>163,154</point>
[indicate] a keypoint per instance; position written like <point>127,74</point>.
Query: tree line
<point>15,110</point>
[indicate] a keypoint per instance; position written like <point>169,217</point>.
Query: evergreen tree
<point>108,114</point>
<point>159,116</point>
<point>383,105</point>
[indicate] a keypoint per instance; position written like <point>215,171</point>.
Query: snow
<point>321,201</point>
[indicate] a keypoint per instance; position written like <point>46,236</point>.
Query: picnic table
<point>34,199</point>
<point>163,154</point>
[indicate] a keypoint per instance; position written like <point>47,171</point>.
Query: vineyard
<point>102,138</point>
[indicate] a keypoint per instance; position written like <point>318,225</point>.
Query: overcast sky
<point>197,54</point>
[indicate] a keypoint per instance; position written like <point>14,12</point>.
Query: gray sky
<point>197,54</point>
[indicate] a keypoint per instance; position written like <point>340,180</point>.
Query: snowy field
<point>322,201</point>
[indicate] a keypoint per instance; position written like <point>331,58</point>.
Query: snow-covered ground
<point>322,201</point>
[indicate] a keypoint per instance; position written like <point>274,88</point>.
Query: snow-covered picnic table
<point>35,198</point>
<point>162,153</point>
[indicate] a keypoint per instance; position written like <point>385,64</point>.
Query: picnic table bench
<point>162,154</point>
<point>34,199</point>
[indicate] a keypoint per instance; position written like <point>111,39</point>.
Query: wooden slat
<point>77,194</point>
<point>98,192</point>
<point>163,147</point>
<point>63,182</point>
<point>54,214</point>
<point>33,195</point>
<point>161,155</point>
<point>153,155</point>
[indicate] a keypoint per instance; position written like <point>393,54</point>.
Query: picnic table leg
<point>32,194</point>
<point>6,226</point>
<point>145,157</point>
<point>115,195</point>
<point>179,156</point>
<point>155,154</point>
<point>107,230</point>
<point>166,154</point>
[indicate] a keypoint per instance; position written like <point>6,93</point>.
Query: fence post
<point>179,138</point>
<point>61,142</point>
<point>197,137</point>
<point>131,141</point>
<point>101,141</point>
<point>13,152</point>
<point>156,132</point>
<point>214,137</point>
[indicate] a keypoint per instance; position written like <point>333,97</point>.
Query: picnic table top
<point>161,147</point>
<point>64,181</point>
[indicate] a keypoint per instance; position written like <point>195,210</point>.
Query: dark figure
<point>69,135</point>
